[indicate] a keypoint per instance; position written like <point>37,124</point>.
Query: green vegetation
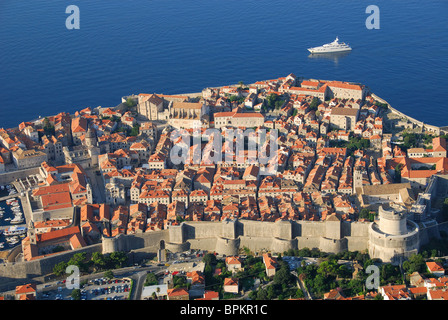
<point>180,282</point>
<point>109,274</point>
<point>273,101</point>
<point>76,294</point>
<point>397,173</point>
<point>415,263</point>
<point>381,105</point>
<point>436,247</point>
<point>58,248</point>
<point>48,127</point>
<point>135,130</point>
<point>234,98</point>
<point>415,140</point>
<point>354,143</point>
<point>365,213</point>
<point>282,286</point>
<point>151,279</point>
<point>328,274</point>
<point>97,262</point>
<point>130,102</point>
<point>314,103</point>
<point>113,118</point>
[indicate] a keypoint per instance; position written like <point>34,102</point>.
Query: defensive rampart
<point>427,127</point>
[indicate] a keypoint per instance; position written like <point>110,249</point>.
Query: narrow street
<point>302,286</point>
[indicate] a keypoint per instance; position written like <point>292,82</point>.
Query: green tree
<point>98,260</point>
<point>209,258</point>
<point>262,294</point>
<point>48,127</point>
<point>304,252</point>
<point>151,279</point>
<point>327,268</point>
<point>117,260</point>
<point>414,263</point>
<point>299,294</point>
<point>364,213</point>
<point>283,276</point>
<point>109,274</point>
<point>59,268</point>
<point>130,102</point>
<point>135,130</point>
<point>271,292</point>
<point>179,282</point>
<point>76,294</point>
<point>397,171</point>
<point>79,260</point>
<point>314,103</point>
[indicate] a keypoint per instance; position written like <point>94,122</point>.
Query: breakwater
<point>424,126</point>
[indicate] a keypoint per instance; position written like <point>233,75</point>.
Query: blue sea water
<point>180,46</point>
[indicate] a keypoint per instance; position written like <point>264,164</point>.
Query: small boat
<point>15,230</point>
<point>13,240</point>
<point>17,220</point>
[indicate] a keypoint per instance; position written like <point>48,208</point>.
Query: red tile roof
<point>26,288</point>
<point>61,233</point>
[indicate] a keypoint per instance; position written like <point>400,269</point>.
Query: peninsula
<point>267,173</point>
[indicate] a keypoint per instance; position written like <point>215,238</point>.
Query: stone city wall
<point>227,237</point>
<point>39,267</point>
<point>8,177</point>
<point>418,123</point>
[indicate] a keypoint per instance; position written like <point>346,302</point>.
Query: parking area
<point>94,289</point>
<point>104,289</point>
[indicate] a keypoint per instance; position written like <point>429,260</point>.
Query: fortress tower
<point>393,237</point>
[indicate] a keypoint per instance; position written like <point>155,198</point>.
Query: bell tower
<point>32,233</point>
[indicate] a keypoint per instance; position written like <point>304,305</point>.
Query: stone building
<point>150,106</point>
<point>344,90</point>
<point>344,118</point>
<point>186,114</point>
<point>238,120</point>
<point>24,159</point>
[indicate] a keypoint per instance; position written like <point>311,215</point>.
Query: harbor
<point>12,219</point>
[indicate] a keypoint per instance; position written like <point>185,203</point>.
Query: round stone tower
<point>393,237</point>
<point>392,220</point>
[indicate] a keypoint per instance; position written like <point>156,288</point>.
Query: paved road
<point>302,286</point>
<point>139,280</point>
<point>130,272</point>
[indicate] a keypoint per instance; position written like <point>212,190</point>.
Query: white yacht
<point>17,219</point>
<point>334,46</point>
